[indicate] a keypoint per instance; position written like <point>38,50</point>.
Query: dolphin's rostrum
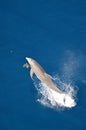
<point>45,78</point>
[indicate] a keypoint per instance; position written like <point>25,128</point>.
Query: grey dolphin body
<point>45,78</point>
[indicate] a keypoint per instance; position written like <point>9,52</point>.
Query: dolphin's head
<point>29,60</point>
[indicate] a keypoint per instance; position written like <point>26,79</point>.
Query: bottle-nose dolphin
<point>45,78</point>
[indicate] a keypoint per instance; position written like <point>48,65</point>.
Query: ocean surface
<point>53,32</point>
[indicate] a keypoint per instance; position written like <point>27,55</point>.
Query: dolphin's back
<point>38,67</point>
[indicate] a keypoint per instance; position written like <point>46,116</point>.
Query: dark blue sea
<point>54,33</point>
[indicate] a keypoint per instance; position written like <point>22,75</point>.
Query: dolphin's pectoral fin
<point>49,76</point>
<point>31,73</point>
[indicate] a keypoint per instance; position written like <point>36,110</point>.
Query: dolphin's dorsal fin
<point>31,73</point>
<point>49,75</point>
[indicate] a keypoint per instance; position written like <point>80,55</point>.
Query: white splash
<point>53,99</point>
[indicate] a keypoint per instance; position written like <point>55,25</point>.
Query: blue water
<point>54,33</point>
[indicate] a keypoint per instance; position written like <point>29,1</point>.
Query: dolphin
<point>41,74</point>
